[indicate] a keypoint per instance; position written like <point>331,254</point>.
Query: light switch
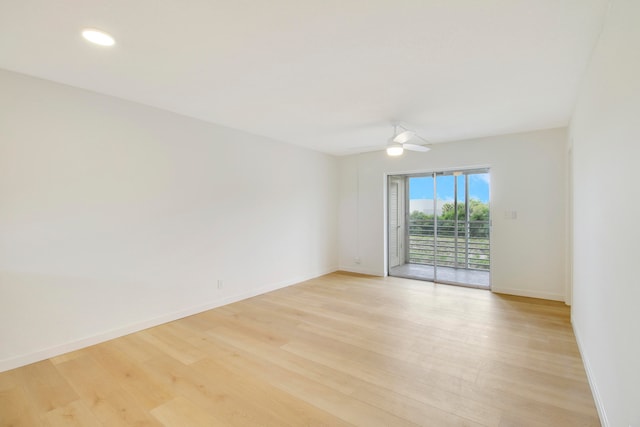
<point>511,215</point>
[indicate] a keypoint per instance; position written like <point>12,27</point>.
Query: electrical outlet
<point>356,260</point>
<point>219,284</point>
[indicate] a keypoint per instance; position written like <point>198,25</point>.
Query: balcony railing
<point>458,244</point>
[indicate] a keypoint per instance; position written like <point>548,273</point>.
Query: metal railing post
<point>467,222</point>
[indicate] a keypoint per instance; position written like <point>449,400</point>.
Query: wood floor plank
<point>411,409</point>
<point>268,397</point>
<point>7,380</point>
<point>74,414</point>
<point>213,397</point>
<point>163,340</point>
<point>181,412</point>
<point>341,349</point>
<point>430,389</point>
<point>130,376</point>
<point>17,409</point>
<point>104,395</point>
<point>356,375</point>
<point>270,357</point>
<point>47,388</point>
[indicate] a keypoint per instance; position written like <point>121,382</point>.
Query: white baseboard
<point>47,353</point>
<point>352,269</point>
<point>528,293</point>
<point>594,389</point>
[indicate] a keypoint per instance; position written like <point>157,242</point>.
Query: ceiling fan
<point>400,141</point>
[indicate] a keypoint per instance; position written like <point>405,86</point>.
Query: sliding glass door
<point>445,233</point>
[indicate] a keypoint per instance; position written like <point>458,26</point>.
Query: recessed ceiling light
<point>98,37</point>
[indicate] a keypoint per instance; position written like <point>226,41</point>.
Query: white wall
<point>115,216</point>
<point>527,176</point>
<point>605,133</point>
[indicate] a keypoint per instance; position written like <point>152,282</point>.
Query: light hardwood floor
<point>338,350</point>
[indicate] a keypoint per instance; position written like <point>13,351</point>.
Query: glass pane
<point>478,257</point>
<point>446,226</point>
<point>462,213</point>
<point>421,227</point>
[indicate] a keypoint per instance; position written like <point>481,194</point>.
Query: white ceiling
<point>330,75</point>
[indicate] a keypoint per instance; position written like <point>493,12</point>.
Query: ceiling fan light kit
<point>400,140</point>
<point>98,37</point>
<point>395,150</point>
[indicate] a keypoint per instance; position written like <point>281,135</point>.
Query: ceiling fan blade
<point>415,147</point>
<point>403,137</point>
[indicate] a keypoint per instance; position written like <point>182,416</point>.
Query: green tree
<point>449,211</point>
<point>478,211</point>
<point>421,223</point>
<point>420,216</point>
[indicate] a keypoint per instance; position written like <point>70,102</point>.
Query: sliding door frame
<point>455,172</point>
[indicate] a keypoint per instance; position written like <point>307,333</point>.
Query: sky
<point>422,188</point>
